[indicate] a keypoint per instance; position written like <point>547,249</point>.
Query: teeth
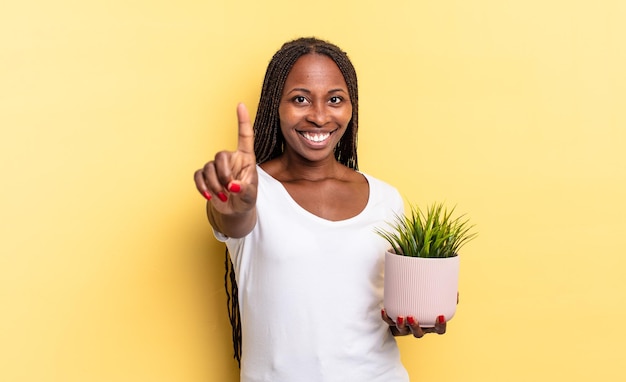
<point>319,137</point>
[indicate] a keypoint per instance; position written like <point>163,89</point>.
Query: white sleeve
<point>219,236</point>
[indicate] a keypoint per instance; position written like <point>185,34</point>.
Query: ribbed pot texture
<point>424,288</point>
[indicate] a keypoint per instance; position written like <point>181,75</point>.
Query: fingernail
<point>206,195</point>
<point>234,187</point>
<point>410,320</point>
<point>382,312</point>
<point>441,319</point>
<point>400,320</point>
<point>222,197</point>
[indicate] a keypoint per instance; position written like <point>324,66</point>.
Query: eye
<point>335,100</point>
<point>299,99</point>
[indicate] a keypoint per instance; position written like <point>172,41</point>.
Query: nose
<point>318,114</point>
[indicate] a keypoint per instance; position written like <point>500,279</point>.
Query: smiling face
<point>314,109</point>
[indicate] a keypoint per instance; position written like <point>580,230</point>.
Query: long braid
<point>232,300</point>
<point>269,141</point>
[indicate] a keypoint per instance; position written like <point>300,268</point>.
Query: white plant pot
<point>424,288</point>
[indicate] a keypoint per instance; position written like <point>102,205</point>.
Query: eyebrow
<point>305,90</point>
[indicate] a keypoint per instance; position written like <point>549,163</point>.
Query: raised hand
<point>230,180</point>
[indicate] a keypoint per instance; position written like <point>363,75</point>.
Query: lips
<point>315,137</point>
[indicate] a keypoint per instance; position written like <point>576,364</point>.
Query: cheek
<point>285,115</point>
<point>281,112</point>
<point>346,117</point>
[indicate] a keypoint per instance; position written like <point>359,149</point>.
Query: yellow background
<point>512,110</point>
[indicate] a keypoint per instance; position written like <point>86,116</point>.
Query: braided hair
<point>269,141</point>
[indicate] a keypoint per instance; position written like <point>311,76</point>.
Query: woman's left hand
<point>404,326</point>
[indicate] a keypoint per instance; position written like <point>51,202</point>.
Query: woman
<point>298,220</point>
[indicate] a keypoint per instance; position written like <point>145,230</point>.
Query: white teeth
<point>319,137</point>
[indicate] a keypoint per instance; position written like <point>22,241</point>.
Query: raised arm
<point>229,183</point>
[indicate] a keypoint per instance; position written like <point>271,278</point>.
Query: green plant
<point>434,233</point>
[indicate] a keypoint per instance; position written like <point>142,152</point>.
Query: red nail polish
<point>222,197</point>
<point>441,319</point>
<point>206,195</point>
<point>410,320</point>
<point>234,187</point>
<point>400,320</point>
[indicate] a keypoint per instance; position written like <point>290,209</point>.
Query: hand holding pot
<point>405,326</point>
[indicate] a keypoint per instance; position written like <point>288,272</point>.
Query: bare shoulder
<point>353,176</point>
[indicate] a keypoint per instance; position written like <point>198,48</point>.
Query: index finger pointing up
<point>246,134</point>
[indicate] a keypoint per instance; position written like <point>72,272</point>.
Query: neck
<point>292,168</point>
